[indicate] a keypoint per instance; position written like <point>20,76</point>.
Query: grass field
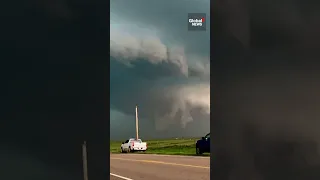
<point>166,146</point>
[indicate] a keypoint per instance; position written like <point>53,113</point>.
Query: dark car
<point>203,145</point>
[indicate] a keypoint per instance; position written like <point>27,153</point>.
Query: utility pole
<point>137,124</point>
<point>84,161</point>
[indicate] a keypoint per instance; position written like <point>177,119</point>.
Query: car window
<point>207,136</point>
<point>126,141</point>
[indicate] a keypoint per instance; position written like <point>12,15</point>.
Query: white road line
<point>121,177</point>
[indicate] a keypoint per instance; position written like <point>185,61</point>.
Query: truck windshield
<point>138,141</point>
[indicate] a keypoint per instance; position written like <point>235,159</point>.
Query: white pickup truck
<point>132,145</point>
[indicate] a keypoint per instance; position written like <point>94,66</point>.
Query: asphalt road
<point>158,167</point>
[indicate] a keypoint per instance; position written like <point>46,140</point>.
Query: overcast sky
<point>161,66</point>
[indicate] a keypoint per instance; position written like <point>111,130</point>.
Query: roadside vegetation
<point>165,146</point>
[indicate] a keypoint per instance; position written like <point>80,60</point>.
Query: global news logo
<point>197,22</point>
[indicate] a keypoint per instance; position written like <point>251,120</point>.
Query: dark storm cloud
<point>169,18</point>
<point>156,98</point>
<point>161,66</point>
<point>129,50</point>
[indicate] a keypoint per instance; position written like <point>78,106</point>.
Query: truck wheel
<point>122,150</point>
<point>198,151</point>
<point>129,149</point>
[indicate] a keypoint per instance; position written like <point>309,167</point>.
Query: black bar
<point>54,89</point>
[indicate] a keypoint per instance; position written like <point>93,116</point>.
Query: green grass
<point>165,146</point>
